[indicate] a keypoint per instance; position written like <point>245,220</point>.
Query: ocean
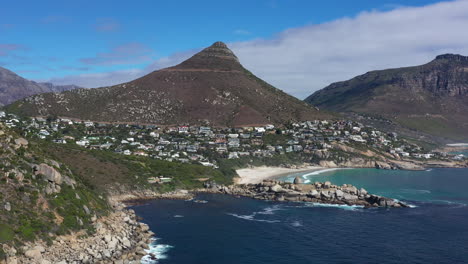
<point>243,230</point>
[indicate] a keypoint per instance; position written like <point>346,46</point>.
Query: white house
<point>82,143</point>
<point>88,124</point>
<point>260,129</point>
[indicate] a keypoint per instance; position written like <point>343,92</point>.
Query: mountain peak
<point>215,57</point>
<point>452,57</point>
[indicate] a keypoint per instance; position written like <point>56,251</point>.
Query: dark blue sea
<point>243,230</point>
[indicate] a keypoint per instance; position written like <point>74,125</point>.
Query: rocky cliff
<point>432,98</point>
<point>50,215</point>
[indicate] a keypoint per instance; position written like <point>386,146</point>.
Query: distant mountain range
<point>212,87</point>
<point>431,98</point>
<point>14,87</point>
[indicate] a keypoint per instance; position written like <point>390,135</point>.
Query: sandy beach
<point>258,174</point>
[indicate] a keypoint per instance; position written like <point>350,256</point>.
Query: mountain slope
<point>14,87</point>
<point>211,87</point>
<point>431,98</point>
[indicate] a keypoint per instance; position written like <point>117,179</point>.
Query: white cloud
<point>304,59</point>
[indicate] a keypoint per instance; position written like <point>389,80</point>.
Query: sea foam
<point>266,211</point>
<point>158,250</point>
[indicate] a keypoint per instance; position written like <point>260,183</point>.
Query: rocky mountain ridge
<point>13,87</point>
<point>432,98</point>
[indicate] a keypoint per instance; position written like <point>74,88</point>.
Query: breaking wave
<point>339,206</point>
<point>266,211</point>
<point>415,191</point>
<point>157,250</point>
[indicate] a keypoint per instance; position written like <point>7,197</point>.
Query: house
<point>260,129</point>
<point>207,164</point>
<point>44,132</point>
<point>357,138</point>
<point>2,114</point>
<point>88,124</point>
<point>82,143</point>
<point>183,129</point>
<point>233,142</point>
<point>140,153</point>
<point>127,152</point>
<point>154,134</point>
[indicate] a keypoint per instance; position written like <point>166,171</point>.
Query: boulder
<point>276,188</point>
<point>326,185</point>
<point>298,180</point>
<point>39,248</point>
<point>8,206</point>
<point>350,197</point>
<point>382,165</point>
<point>86,209</point>
<point>339,194</point>
<point>362,191</point>
<point>21,142</point>
<point>325,195</point>
<point>315,194</point>
<point>33,254</point>
<point>50,174</point>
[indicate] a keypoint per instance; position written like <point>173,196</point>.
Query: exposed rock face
<point>14,87</point>
<point>119,238</point>
<point>50,174</point>
<point>426,97</point>
<point>211,87</point>
<point>317,193</point>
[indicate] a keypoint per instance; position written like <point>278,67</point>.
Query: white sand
<point>258,174</point>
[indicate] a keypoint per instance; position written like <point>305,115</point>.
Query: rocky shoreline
<point>119,239</point>
<point>318,192</point>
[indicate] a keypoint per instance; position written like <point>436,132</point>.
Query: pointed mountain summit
<point>431,98</point>
<point>216,57</point>
<point>211,87</point>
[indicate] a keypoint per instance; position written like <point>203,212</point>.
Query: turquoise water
<point>464,152</point>
<point>241,230</point>
<point>432,185</point>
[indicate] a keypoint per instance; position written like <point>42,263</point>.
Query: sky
<point>299,46</point>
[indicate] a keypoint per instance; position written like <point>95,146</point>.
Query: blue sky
<point>50,40</point>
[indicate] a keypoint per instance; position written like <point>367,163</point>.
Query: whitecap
<point>322,171</point>
<point>178,216</point>
<point>252,218</point>
<point>415,191</point>
<point>339,206</point>
<point>296,224</point>
<point>269,210</point>
<point>266,211</point>
<point>158,250</point>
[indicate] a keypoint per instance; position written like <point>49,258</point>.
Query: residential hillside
<point>58,202</point>
<point>14,87</point>
<point>431,98</point>
<point>211,87</point>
